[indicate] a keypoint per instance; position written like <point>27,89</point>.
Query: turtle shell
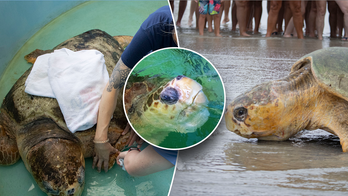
<point>34,127</point>
<point>330,69</point>
<point>24,108</point>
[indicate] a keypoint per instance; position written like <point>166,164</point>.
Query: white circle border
<point>193,145</point>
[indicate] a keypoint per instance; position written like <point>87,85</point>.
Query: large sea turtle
<point>33,127</point>
<point>178,105</point>
<point>313,96</point>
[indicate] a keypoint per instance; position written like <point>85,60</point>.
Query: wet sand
<point>310,163</point>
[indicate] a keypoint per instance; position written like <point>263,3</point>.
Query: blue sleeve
<point>155,33</point>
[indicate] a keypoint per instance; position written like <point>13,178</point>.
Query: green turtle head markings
<point>179,105</point>
<point>313,96</point>
<point>34,129</point>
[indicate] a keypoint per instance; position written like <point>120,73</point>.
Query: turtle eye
<point>179,77</point>
<point>240,113</point>
<point>169,96</point>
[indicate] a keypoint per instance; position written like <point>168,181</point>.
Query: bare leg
<point>307,11</point>
<point>145,162</point>
<point>193,7</point>
<point>182,8</point>
<point>312,19</point>
<point>332,7</point>
<point>297,17</point>
<point>242,11</point>
<point>234,16</point>
<point>201,23</point>
<point>250,16</point>
<point>273,16</point>
<point>257,14</point>
<point>217,20</point>
<point>210,23</point>
<point>289,29</point>
<point>227,4</point>
<point>287,13</point>
<point>340,22</point>
<point>321,10</point>
<point>344,8</point>
<point>279,27</point>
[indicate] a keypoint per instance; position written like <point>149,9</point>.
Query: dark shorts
<point>209,7</point>
<point>170,155</point>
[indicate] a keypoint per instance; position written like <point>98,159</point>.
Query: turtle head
<point>257,114</point>
<point>278,109</point>
<point>57,166</point>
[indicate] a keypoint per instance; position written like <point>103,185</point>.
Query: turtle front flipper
<point>31,57</point>
<point>331,115</point>
<point>8,149</point>
<point>120,144</point>
<point>53,156</point>
<point>123,40</point>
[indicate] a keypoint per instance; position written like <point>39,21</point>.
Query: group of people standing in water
<point>296,14</point>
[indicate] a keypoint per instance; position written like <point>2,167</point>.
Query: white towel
<point>77,80</point>
<point>37,82</point>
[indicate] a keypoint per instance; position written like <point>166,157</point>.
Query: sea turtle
<point>178,105</point>
<point>33,127</point>
<point>313,96</point>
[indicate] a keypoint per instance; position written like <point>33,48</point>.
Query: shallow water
<point>107,16</point>
<point>310,163</point>
<point>161,67</point>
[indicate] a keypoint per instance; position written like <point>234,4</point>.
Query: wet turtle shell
<point>33,127</point>
<point>313,96</point>
<point>330,68</point>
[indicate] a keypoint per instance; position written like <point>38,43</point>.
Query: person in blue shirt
<point>156,32</point>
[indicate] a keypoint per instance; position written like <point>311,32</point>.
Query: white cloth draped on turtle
<point>75,79</point>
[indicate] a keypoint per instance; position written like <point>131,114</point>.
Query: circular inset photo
<point>174,98</point>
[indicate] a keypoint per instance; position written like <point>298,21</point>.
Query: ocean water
<point>110,17</point>
<point>161,67</point>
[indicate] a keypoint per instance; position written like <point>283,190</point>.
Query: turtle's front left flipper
<point>8,149</point>
<point>53,156</point>
<point>31,57</point>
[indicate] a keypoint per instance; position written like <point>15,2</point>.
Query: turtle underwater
<point>313,96</point>
<point>178,105</point>
<point>33,127</point>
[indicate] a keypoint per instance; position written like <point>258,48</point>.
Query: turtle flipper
<point>31,57</point>
<point>123,40</point>
<point>8,149</point>
<point>343,135</point>
<point>120,144</point>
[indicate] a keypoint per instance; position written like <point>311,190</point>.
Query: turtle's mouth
<point>195,97</point>
<point>199,98</point>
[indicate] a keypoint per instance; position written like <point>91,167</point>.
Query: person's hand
<point>102,153</point>
<point>121,156</point>
<point>133,137</point>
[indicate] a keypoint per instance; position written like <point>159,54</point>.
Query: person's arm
<point>107,106</point>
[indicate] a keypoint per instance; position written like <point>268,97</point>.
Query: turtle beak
<point>200,98</point>
<point>189,91</point>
